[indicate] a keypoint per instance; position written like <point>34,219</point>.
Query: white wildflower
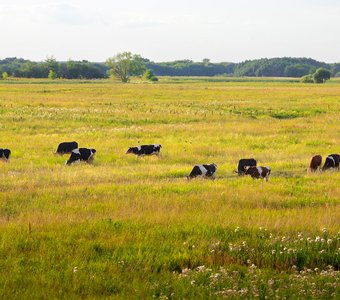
<point>201,268</point>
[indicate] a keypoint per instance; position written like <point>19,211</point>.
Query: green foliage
<point>278,67</point>
<point>51,64</point>
<point>125,64</point>
<point>52,75</point>
<point>321,75</point>
<point>297,70</point>
<point>307,79</point>
<point>71,69</point>
<point>149,76</point>
<point>4,75</point>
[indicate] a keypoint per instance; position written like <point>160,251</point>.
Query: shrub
<point>307,79</point>
<point>52,75</point>
<point>4,75</point>
<point>148,75</point>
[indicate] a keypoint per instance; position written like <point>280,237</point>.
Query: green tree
<point>51,64</point>
<point>206,61</point>
<point>321,75</point>
<point>124,65</point>
<point>52,75</point>
<point>4,75</point>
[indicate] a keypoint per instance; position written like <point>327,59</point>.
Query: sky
<point>221,30</point>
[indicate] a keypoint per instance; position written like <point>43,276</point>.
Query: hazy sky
<point>222,30</point>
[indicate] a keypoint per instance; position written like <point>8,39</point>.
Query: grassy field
<point>135,228</point>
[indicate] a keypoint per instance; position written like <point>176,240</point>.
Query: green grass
<point>129,227</point>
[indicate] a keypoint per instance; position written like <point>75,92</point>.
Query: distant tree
<point>51,64</point>
<point>206,61</point>
<point>148,75</point>
<point>307,79</point>
<point>4,75</point>
<point>124,65</point>
<point>321,75</point>
<point>296,70</point>
<point>52,75</point>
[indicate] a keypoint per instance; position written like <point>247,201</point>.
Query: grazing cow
<point>145,150</point>
<point>315,163</point>
<point>203,171</point>
<point>258,172</point>
<point>81,154</point>
<point>66,148</point>
<point>241,168</point>
<point>4,154</point>
<point>332,161</point>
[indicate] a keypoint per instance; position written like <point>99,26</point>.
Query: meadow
<point>136,228</point>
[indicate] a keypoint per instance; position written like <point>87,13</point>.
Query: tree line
<point>132,64</point>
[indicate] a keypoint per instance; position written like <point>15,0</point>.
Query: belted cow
<point>81,154</point>
<point>332,161</point>
<point>315,163</point>
<point>145,150</point>
<point>241,168</point>
<point>66,148</point>
<point>208,171</point>
<point>258,172</point>
<point>4,154</point>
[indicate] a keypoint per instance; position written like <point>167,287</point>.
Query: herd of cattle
<point>245,166</point>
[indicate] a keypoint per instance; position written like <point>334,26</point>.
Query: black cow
<point>332,161</point>
<point>145,150</point>
<point>258,172</point>
<point>66,148</point>
<point>203,171</point>
<point>241,168</point>
<point>4,154</point>
<point>81,154</point>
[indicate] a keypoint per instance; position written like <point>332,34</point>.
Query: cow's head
<point>132,150</point>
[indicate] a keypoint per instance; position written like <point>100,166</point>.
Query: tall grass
<point>129,227</point>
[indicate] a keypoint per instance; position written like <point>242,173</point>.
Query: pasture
<point>135,228</point>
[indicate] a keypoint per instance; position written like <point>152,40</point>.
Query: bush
<point>4,75</point>
<point>52,75</point>
<point>148,75</point>
<point>307,79</point>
